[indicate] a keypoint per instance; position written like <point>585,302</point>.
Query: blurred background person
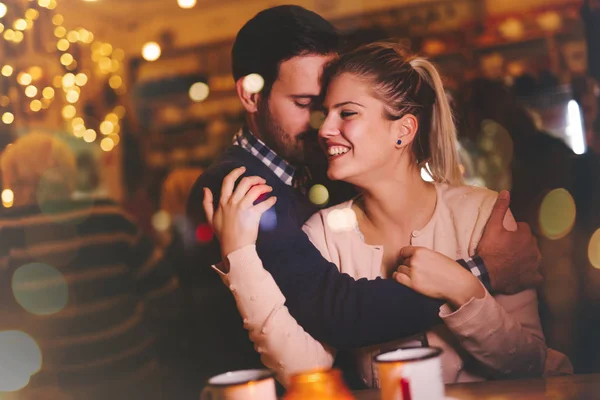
<point>80,279</point>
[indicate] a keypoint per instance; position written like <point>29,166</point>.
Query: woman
<point>387,117</point>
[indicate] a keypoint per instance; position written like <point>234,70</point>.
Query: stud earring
<point>399,142</point>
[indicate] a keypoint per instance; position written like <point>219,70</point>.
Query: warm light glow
<point>69,111</point>
<point>21,358</point>
<point>199,91</point>
<point>81,79</point>
<point>77,121</point>
<point>3,10</point>
<point>115,65</point>
<point>106,49</point>
<point>186,3</point>
<point>107,144</point>
<point>44,3</point>
<point>20,24</point>
<point>18,37</point>
<point>120,112</point>
<point>7,70</point>
<point>85,36</point>
<point>48,93</point>
<point>4,101</point>
<point>36,72</point>
<point>113,118</point>
<point>151,51</point>
<point>253,83</point>
<point>594,249</point>
<point>318,195</point>
<point>89,135</point>
<point>8,196</point>
<point>63,45</point>
<point>8,118</point>
<point>66,59</point>
<point>58,19</point>
<point>79,130</point>
<point>557,214</point>
<point>115,81</point>
<point>60,31</point>
<point>161,221</point>
<point>105,64</point>
<point>73,36</point>
<point>1,28</point>
<point>119,55</point>
<point>72,96</point>
<point>106,127</point>
<point>68,80</point>
<point>575,128</point>
<point>52,5</point>
<point>115,138</point>
<point>35,105</point>
<point>30,91</point>
<point>24,78</point>
<point>9,35</point>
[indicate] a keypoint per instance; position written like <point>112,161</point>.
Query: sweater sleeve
<point>331,306</point>
<point>284,346</point>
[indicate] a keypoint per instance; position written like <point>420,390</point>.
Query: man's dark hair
<point>276,35</point>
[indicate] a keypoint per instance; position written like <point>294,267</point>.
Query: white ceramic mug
<point>411,373</point>
<point>250,384</point>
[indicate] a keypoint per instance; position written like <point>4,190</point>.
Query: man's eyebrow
<point>305,96</point>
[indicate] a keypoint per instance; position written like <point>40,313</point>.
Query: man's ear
<point>249,100</point>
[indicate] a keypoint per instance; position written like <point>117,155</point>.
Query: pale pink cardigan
<point>499,336</point>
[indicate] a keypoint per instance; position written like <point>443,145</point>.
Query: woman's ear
<point>249,100</point>
<point>405,130</point>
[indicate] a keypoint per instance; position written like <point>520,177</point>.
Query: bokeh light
<point>7,70</point>
<point>66,59</point>
<point>20,357</point>
<point>253,83</point>
<point>69,111</point>
<point>68,80</point>
<point>557,214</point>
<point>3,10</point>
<point>24,79</point>
<point>35,105</point>
<point>8,198</point>
<point>63,45</point>
<point>186,3</point>
<point>72,96</point>
<point>48,93</point>
<point>318,195</point>
<point>341,220</point>
<point>268,221</point>
<point>60,31</point>
<point>31,91</point>
<point>106,127</point>
<point>161,221</point>
<point>81,79</point>
<point>316,119</point>
<point>107,144</point>
<point>199,91</point>
<point>89,135</point>
<point>151,51</point>
<point>40,289</point>
<point>8,118</point>
<point>204,233</point>
<point>20,24</point>
<point>594,249</point>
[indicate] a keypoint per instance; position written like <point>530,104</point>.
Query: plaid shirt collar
<point>246,140</point>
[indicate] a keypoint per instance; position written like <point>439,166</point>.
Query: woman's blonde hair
<point>408,85</point>
<point>38,167</point>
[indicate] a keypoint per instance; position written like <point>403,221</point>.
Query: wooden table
<point>586,387</point>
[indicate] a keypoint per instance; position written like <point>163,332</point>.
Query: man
<point>288,46</point>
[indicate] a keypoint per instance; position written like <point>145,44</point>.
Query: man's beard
<point>294,149</point>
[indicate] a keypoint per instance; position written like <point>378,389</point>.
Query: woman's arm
<point>283,344</point>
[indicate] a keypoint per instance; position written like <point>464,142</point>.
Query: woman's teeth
<point>337,150</point>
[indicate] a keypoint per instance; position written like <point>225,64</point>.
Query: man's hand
<point>511,257</point>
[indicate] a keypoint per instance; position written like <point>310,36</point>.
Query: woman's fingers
<point>208,205</point>
<point>403,269</point>
<point>243,188</point>
<point>229,184</point>
<point>263,206</point>
<point>253,195</point>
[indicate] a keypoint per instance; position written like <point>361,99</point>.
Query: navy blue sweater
<point>331,306</point>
